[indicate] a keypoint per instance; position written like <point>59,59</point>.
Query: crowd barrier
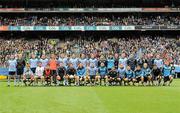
<point>3,73</point>
<point>89,28</point>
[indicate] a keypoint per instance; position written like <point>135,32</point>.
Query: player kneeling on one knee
<point>39,74</point>
<point>156,75</point>
<point>70,75</point>
<point>121,73</point>
<point>167,73</point>
<point>92,74</point>
<point>61,73</point>
<point>102,70</point>
<point>81,75</point>
<point>28,76</point>
<point>128,76</point>
<point>147,77</point>
<point>47,75</point>
<point>138,75</point>
<point>112,76</point>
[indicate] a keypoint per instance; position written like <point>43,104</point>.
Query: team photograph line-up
<point>89,56</point>
<point>72,70</point>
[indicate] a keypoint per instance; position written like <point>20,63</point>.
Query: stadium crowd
<point>71,20</point>
<point>144,46</point>
<point>82,54</point>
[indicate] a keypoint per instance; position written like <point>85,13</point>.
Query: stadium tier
<point>119,19</point>
<point>87,3</point>
<point>89,22</point>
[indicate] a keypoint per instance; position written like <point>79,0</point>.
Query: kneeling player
<point>167,73</point>
<point>156,75</point>
<point>121,72</point>
<point>81,75</point>
<point>92,72</point>
<point>28,75</point>
<point>112,76</point>
<point>138,75</point>
<point>39,74</point>
<point>70,75</point>
<point>47,75</point>
<point>128,76</point>
<point>147,77</point>
<point>61,73</point>
<point>103,74</point>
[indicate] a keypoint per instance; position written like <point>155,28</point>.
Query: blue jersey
<point>121,72</point>
<point>110,63</point>
<point>92,71</point>
<point>138,73</point>
<point>129,74</point>
<point>63,60</point>
<point>123,61</point>
<point>158,63</point>
<point>12,65</point>
<point>146,71</point>
<point>102,71</point>
<point>33,62</point>
<point>83,61</point>
<point>81,72</point>
<point>93,61</point>
<point>74,61</point>
<point>167,71</point>
<point>44,62</point>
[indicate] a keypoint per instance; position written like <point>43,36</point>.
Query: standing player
<point>81,75</point>
<point>110,62</point>
<point>103,74</point>
<point>44,61</point>
<point>12,69</point>
<point>158,62</point>
<point>83,60</point>
<point>167,73</point>
<point>53,67</point>
<point>74,61</point>
<point>132,62</point>
<point>150,61</point>
<point>20,68</point>
<point>123,60</point>
<point>39,74</point>
<point>28,75</point>
<point>102,60</point>
<point>116,60</point>
<point>63,59</point>
<point>156,75</point>
<point>33,63</point>
<point>93,60</point>
<point>142,59</point>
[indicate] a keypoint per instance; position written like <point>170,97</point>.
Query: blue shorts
<point>11,73</point>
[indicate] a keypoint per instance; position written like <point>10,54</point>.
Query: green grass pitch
<point>122,99</point>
